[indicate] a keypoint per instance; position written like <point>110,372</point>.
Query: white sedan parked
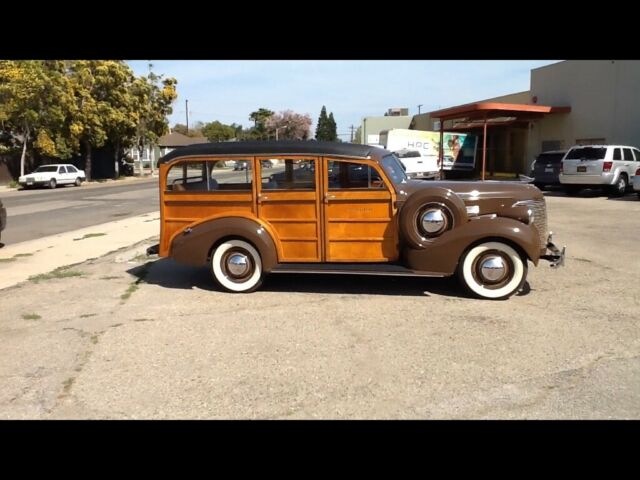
<point>53,175</point>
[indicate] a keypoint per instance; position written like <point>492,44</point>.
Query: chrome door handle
<point>329,197</point>
<point>262,198</point>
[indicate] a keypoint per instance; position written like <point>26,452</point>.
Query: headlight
<point>532,216</point>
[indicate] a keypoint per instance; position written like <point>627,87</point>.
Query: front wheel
<point>237,267</point>
<point>492,270</point>
<point>78,182</point>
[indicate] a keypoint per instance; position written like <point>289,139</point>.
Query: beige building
<point>603,100</point>
<point>372,126</point>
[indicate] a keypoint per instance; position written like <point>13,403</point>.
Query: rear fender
<point>193,245</point>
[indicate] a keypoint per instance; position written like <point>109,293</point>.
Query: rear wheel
<point>52,183</point>
<point>236,266</point>
<point>620,187</point>
<point>492,270</point>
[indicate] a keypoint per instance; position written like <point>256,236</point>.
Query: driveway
<point>124,337</point>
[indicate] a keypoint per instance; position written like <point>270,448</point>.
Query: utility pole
<point>419,109</point>
<point>352,129</point>
<point>186,110</point>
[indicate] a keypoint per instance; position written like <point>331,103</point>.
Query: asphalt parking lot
<point>124,337</point>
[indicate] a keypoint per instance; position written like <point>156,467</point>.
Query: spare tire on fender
<point>442,210</point>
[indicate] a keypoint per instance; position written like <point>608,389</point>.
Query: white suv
<point>606,166</point>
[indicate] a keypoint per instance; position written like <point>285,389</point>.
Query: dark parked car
<point>241,165</point>
<point>3,220</point>
<point>546,168</point>
<point>126,167</point>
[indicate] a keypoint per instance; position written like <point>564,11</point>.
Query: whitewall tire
<point>493,270</point>
<point>236,266</point>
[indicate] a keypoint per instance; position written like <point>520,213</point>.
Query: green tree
<point>332,129</point>
<point>259,118</point>
<point>357,135</point>
<point>218,132</point>
<point>155,96</point>
<point>33,101</point>
<point>322,126</point>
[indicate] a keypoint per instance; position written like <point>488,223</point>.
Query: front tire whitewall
<point>472,278</point>
<point>220,262</point>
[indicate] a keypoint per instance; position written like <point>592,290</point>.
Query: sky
<point>229,90</point>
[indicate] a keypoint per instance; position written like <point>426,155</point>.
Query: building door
<point>358,213</point>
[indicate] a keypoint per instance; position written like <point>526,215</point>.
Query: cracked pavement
<point>333,346</point>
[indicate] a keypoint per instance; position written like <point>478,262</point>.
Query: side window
<point>288,174</point>
<point>348,175</point>
<point>71,169</point>
<point>637,154</point>
<point>627,154</point>
<point>215,175</point>
<point>62,170</point>
<point>617,155</point>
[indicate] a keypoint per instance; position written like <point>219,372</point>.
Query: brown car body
<point>343,230</point>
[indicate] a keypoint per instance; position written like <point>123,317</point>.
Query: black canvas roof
<point>280,147</point>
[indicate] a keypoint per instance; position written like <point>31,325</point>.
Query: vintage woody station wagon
<point>322,207</point>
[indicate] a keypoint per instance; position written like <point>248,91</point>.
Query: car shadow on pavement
<point>167,273</point>
<point>593,193</point>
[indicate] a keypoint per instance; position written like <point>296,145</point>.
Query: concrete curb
<point>22,260</point>
<point>109,183</point>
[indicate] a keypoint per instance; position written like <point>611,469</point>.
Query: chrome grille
<point>539,209</point>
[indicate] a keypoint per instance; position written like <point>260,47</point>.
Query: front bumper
<point>554,255</point>
<point>33,183</point>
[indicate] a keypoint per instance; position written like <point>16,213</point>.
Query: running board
<point>387,269</point>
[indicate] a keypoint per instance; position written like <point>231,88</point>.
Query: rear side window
<point>627,154</point>
<point>289,174</point>
<point>62,170</point>
<point>587,153</point>
<point>211,176</point>
<point>617,155</point>
<point>637,154</point>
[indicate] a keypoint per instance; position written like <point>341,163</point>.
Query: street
<point>124,336</point>
<point>38,213</point>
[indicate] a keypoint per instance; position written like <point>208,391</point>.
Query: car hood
<point>476,191</point>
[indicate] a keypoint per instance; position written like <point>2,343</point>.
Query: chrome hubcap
<point>238,264</point>
<point>493,268</point>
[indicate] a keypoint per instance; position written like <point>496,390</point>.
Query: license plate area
<point>581,169</point>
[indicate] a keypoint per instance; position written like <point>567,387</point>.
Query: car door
<point>62,177</point>
<point>358,212</point>
<point>289,200</point>
<point>629,163</point>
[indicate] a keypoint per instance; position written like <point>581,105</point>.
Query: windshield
<point>393,168</point>
<point>409,154</point>
<point>587,153</point>
<point>46,168</point>
<point>550,157</point>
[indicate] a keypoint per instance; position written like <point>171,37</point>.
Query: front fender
<point>193,245</point>
<point>443,255</point>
